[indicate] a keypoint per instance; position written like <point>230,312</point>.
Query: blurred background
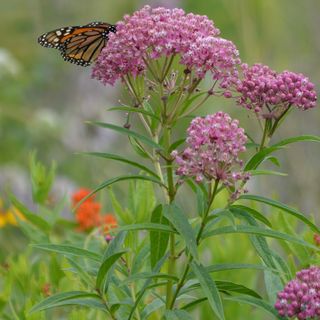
<point>45,102</point>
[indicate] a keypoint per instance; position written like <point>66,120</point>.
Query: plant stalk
<point>212,193</point>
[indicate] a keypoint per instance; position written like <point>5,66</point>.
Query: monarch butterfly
<point>78,44</point>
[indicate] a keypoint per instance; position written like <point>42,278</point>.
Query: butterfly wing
<point>78,44</point>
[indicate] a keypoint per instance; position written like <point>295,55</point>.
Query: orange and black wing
<point>78,44</point>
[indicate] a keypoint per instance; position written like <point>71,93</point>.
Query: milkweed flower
<point>214,144</point>
<point>153,33</point>
<point>269,93</point>
<point>301,296</point>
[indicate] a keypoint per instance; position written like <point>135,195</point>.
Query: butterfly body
<point>78,44</point>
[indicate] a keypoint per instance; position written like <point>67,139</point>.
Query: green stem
<point>212,194</point>
<point>177,103</point>
<point>278,121</point>
<point>196,106</point>
<point>167,68</point>
<point>265,135</point>
<point>171,194</point>
<point>154,74</point>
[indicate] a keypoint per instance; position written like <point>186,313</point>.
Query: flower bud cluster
<point>301,297</point>
<point>153,33</point>
<point>269,93</point>
<point>214,143</point>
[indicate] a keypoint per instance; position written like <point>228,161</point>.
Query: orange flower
<point>46,289</point>
<point>88,215</point>
<point>80,194</point>
<point>316,239</point>
<point>108,222</point>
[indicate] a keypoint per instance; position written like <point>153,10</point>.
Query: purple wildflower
<point>269,93</point>
<point>214,143</point>
<point>153,33</point>
<point>301,296</point>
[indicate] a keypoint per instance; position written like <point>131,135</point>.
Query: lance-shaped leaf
<point>105,267</point>
<point>261,232</point>
<point>111,181</point>
<point>177,315</point>
<point>180,221</point>
<point>33,218</point>
<point>209,289</point>
<point>136,110</point>
<point>128,132</point>
<point>69,250</point>
<point>116,157</point>
<point>70,298</point>
<point>283,207</point>
<point>158,240</point>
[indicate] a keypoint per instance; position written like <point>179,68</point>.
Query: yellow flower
<point>3,220</point>
<point>9,216</point>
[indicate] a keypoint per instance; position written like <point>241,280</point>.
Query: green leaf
<point>259,157</point>
<point>180,221</point>
<point>225,287</point>
<point>259,303</point>
<point>147,226</point>
<point>261,232</point>
<point>309,138</point>
<point>177,315</point>
<point>124,215</point>
<point>146,286</point>
<point>209,289</point>
<point>33,218</point>
<point>105,266</point>
<point>69,250</point>
<point>283,207</point>
<point>139,149</point>
<point>142,200</point>
<point>151,307</point>
<point>121,159</point>
<point>272,285</point>
<point>81,272</point>
<point>176,144</point>
<point>150,275</point>
<point>193,303</point>
<point>188,102</point>
<point>266,173</point>
<point>231,266</point>
<point>259,243</point>
<point>235,287</point>
<point>115,245</point>
<point>128,132</point>
<point>91,303</point>
<point>111,181</point>
<point>158,240</point>
<point>254,213</point>
<point>41,179</point>
<point>137,110</point>
<point>61,299</point>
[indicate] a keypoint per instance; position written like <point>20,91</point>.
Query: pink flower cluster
<point>301,296</point>
<point>152,33</point>
<point>215,142</point>
<point>269,93</point>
